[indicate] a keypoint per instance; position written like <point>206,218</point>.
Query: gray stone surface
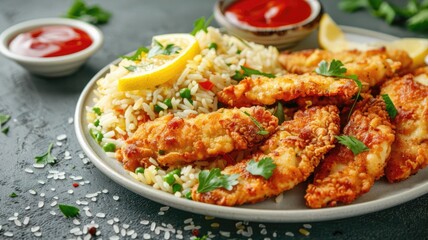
<point>40,109</point>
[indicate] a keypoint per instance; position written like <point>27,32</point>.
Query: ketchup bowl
<point>50,47</point>
<point>270,22</point>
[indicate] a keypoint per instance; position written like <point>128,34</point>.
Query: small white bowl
<point>280,37</point>
<point>51,66</point>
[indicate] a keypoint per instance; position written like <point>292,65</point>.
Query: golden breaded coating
<point>372,66</point>
<point>410,149</point>
<point>266,91</point>
<point>341,176</point>
<point>174,141</point>
<point>296,149</point>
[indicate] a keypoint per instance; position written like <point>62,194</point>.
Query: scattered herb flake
<point>93,14</point>
<point>13,195</point>
<point>159,49</point>
<point>213,179</point>
<point>201,24</point>
<point>46,157</point>
<point>262,130</point>
<point>4,119</point>
<point>137,55</point>
<point>390,108</point>
<point>68,210</point>
<point>263,168</point>
<point>248,72</point>
<point>131,68</point>
<point>353,144</point>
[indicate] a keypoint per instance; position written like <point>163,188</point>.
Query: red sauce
<point>50,41</point>
<point>268,13</point>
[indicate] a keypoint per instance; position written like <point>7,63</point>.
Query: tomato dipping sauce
<point>268,13</point>
<point>50,41</point>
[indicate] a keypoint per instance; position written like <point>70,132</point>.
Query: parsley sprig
<point>68,210</point>
<point>201,24</point>
<point>336,69</point>
<point>93,14</point>
<point>390,108</point>
<point>353,144</point>
<point>263,168</point>
<point>248,72</point>
<point>159,49</point>
<point>262,130</point>
<point>213,179</point>
<point>46,157</point>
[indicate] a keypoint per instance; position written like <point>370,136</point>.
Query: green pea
<point>185,93</point>
<point>188,195</point>
<point>168,102</point>
<point>139,170</point>
<point>97,110</point>
<point>97,123</point>
<point>169,177</point>
<point>109,147</point>
<point>158,108</point>
<point>176,188</point>
<point>99,137</point>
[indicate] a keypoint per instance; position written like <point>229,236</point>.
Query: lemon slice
<point>153,71</point>
<point>330,36</point>
<point>417,48</point>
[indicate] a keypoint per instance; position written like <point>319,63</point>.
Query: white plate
<point>291,209</point>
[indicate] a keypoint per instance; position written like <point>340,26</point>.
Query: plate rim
<point>237,213</point>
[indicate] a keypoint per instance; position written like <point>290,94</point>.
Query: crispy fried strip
<point>174,141</point>
<point>372,67</point>
<point>296,149</point>
<point>266,91</point>
<point>341,176</point>
<point>410,149</point>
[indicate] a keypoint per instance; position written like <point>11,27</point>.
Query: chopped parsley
<point>248,72</point>
<point>279,113</point>
<point>13,195</point>
<point>46,157</point>
<point>390,108</point>
<point>201,24</point>
<point>93,14</point>
<point>337,70</point>
<point>213,179</point>
<point>262,130</point>
<point>263,168</point>
<point>159,49</point>
<point>69,211</point>
<point>353,144</point>
<point>137,55</point>
<point>131,68</point>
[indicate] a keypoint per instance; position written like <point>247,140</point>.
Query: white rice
<point>122,112</point>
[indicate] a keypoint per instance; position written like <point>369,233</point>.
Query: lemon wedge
<point>417,48</point>
<point>155,70</point>
<point>330,36</point>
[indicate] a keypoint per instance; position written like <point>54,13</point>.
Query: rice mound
<point>123,112</point>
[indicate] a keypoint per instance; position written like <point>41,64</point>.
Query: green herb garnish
<point>137,55</point>
<point>131,68</point>
<point>263,168</point>
<point>159,49</point>
<point>69,211</point>
<point>93,14</point>
<point>279,113</point>
<point>248,72</point>
<point>46,157</point>
<point>390,108</point>
<point>213,179</point>
<point>262,130</point>
<point>201,24</point>
<point>13,195</point>
<point>414,15</point>
<point>353,144</point>
<point>97,110</point>
<point>337,70</point>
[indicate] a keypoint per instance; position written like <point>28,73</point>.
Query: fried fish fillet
<point>372,66</point>
<point>266,91</point>
<point>341,176</point>
<point>174,141</point>
<point>296,149</point>
<point>410,149</point>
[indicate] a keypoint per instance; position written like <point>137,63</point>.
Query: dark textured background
<point>40,109</point>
